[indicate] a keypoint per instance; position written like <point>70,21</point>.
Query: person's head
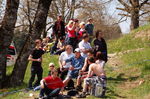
<point>85,37</point>
<point>90,20</point>
<point>38,42</point>
<point>44,40</point>
<point>62,39</point>
<point>99,56</point>
<point>69,49</point>
<point>48,39</point>
<point>82,25</point>
<point>59,18</point>
<point>70,23</point>
<point>91,60</point>
<point>99,34</point>
<point>90,53</point>
<point>54,72</point>
<point>51,66</point>
<point>77,52</point>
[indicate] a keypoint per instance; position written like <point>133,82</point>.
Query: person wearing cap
<point>77,63</point>
<point>51,68</point>
<point>58,31</point>
<point>84,45</point>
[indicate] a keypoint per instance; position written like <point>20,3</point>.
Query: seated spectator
<point>83,72</point>
<point>67,54</point>
<point>84,45</point>
<point>51,68</point>
<point>76,64</point>
<point>60,46</point>
<point>99,59</point>
<point>51,85</point>
<point>90,79</point>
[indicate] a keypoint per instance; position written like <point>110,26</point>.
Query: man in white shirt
<point>67,54</point>
<point>84,45</point>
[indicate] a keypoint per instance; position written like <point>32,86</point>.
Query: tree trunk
<point>134,20</point>
<point>38,26</point>
<point>6,35</point>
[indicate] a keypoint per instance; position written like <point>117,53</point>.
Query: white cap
<point>77,50</point>
<point>51,64</point>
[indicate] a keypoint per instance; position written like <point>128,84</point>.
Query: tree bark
<point>134,20</point>
<point>36,31</point>
<point>6,35</point>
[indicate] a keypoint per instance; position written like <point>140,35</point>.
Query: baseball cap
<point>51,64</point>
<point>77,50</point>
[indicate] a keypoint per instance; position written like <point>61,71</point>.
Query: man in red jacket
<point>51,85</point>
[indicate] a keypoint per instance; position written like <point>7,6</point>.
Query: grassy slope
<point>123,80</point>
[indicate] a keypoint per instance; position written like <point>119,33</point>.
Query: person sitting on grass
<point>90,79</point>
<point>67,54</point>
<point>51,85</point>
<point>76,64</point>
<point>83,72</point>
<point>51,68</point>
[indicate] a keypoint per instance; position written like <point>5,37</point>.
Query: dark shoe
<point>81,96</point>
<point>79,88</point>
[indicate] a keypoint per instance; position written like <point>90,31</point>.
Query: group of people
<point>77,59</point>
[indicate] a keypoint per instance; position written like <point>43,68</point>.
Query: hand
<point>71,68</point>
<point>61,69</point>
<point>63,63</point>
<point>39,60</point>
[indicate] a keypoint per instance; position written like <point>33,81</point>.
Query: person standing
<point>36,68</point>
<point>89,27</point>
<point>58,31</point>
<point>100,44</point>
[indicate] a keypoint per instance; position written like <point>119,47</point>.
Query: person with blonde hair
<point>70,29</point>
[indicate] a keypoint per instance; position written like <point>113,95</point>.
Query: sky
<point>125,26</point>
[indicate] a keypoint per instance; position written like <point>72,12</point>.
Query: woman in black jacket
<point>100,44</point>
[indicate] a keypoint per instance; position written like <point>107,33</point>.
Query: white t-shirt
<point>84,46</point>
<point>64,56</point>
<point>101,63</point>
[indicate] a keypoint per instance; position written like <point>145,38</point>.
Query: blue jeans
<point>49,92</point>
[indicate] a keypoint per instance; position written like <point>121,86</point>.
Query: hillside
<point>128,68</point>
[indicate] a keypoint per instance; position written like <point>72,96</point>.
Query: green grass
<point>128,41</point>
<point>123,80</point>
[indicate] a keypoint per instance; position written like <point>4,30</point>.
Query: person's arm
<point>42,83</point>
<point>90,72</point>
<point>85,65</point>
<point>31,59</point>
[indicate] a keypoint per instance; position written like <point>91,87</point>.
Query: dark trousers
<point>72,42</point>
<point>34,72</point>
<point>54,47</point>
<point>49,92</point>
<point>62,73</point>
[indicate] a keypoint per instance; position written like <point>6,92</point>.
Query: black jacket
<point>59,32</point>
